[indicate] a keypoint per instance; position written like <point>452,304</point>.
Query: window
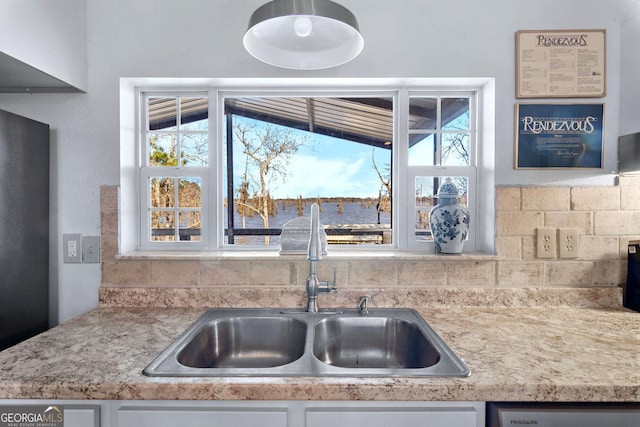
<point>174,169</point>
<point>441,135</point>
<point>223,169</point>
<point>285,153</point>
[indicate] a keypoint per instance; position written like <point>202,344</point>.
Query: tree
<point>384,194</point>
<point>268,150</point>
<point>300,205</point>
<point>163,188</point>
<point>455,150</point>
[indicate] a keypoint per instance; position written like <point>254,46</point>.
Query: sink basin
<point>289,342</point>
<point>245,342</point>
<point>372,342</point>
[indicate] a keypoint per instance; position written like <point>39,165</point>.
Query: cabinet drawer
<point>172,416</point>
<point>464,417</point>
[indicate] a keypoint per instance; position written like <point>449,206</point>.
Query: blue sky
<point>328,167</point>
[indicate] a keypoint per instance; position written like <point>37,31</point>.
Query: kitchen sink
<point>289,342</point>
<point>373,342</point>
<point>245,342</point>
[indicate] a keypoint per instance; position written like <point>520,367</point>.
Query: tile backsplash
<point>606,219</point>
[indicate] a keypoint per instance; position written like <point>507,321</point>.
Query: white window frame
<point>403,199</point>
<point>147,172</point>
<point>469,172</point>
<point>328,92</point>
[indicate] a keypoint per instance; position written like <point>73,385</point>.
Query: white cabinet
<point>296,413</point>
<point>396,414</point>
<point>75,413</point>
<point>81,415</point>
<point>199,413</point>
<point>263,413</point>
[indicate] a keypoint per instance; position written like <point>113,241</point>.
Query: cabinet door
<point>81,415</point>
<point>383,416</point>
<point>185,416</point>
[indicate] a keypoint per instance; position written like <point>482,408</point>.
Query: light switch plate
<point>91,249</point>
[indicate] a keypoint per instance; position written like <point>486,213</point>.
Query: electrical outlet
<point>568,242</point>
<point>546,243</point>
<point>72,248</point>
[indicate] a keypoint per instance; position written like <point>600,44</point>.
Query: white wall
<point>630,72</point>
<point>196,38</point>
<point>48,35</point>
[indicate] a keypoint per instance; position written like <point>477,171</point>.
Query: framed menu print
<point>559,136</point>
<point>560,64</point>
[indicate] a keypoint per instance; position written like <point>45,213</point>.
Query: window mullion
<point>402,194</point>
<point>438,140</point>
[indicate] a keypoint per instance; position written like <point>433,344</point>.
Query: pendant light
<point>303,34</point>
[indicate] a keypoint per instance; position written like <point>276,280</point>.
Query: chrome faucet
<point>362,305</point>
<point>314,254</point>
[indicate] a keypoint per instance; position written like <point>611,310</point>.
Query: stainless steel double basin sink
<point>289,342</point>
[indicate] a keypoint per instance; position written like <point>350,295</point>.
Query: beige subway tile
<point>509,247</point>
<point>595,198</point>
<point>518,223</point>
<point>545,198</point>
<point>529,248</point>
<point>174,273</point>
<point>109,198</point>
<point>109,223</point>
<point>418,273</point>
<point>276,273</point>
<point>569,273</point>
<point>109,246</point>
<point>629,180</point>
<point>617,223</point>
<point>520,273</point>
<point>610,273</point>
<point>373,273</point>
<point>223,273</point>
<point>471,273</point>
<point>508,198</point>
<point>109,234</point>
<point>630,198</point>
<point>598,248</point>
<point>580,220</point>
<point>135,273</point>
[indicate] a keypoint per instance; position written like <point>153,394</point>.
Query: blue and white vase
<point>449,220</point>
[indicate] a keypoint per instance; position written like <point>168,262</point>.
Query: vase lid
<point>447,189</point>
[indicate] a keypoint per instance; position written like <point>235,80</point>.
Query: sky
<point>327,167</point>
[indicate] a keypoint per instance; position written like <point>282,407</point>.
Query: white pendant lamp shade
<point>303,34</point>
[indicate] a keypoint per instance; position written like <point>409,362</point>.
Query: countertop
<point>541,353</point>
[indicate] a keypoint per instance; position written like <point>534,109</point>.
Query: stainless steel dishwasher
<point>542,414</point>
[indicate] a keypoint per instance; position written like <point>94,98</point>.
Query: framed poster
<point>560,64</point>
<point>559,135</point>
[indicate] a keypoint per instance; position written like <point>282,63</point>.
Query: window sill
<point>272,255</point>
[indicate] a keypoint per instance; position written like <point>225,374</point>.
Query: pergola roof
<point>364,120</point>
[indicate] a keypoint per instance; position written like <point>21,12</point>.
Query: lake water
<point>353,213</point>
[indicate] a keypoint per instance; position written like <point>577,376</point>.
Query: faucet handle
<point>362,305</point>
<point>330,285</point>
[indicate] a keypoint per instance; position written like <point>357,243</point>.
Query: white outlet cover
<point>72,248</point>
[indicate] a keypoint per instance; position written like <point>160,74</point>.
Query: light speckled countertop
<point>533,353</point>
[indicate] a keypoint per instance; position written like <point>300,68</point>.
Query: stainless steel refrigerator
<point>24,228</point>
